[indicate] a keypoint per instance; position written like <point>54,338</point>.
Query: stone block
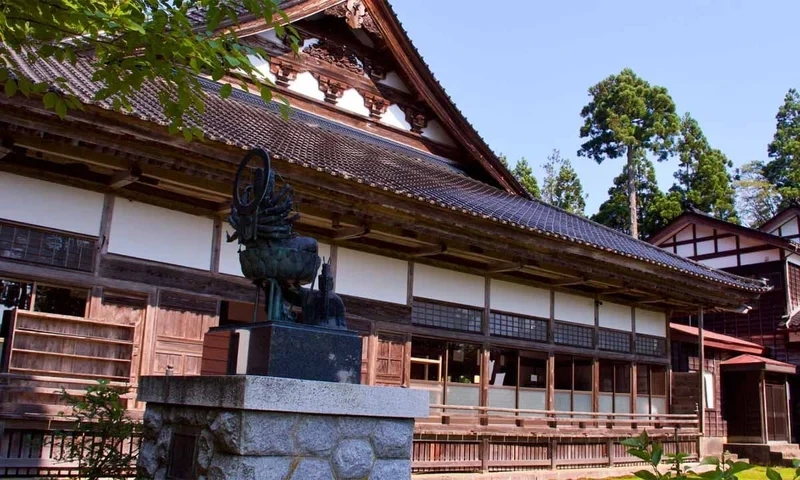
<point>265,433</point>
<point>392,438</point>
<point>224,467</point>
<point>353,459</point>
<point>266,468</point>
<point>227,430</point>
<point>356,427</point>
<point>316,435</point>
<point>312,468</point>
<point>391,470</point>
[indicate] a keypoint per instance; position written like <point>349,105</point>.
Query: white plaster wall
<point>393,80</point>
<point>271,37</point>
<point>436,132</point>
<point>703,231</point>
<point>371,276</point>
<point>155,233</point>
<point>795,259</point>
<point>721,262</point>
<point>685,234</point>
<point>725,244</point>
<point>262,66</point>
<point>705,247</point>
<point>517,298</point>
<point>761,257</point>
<point>651,322</point>
<point>789,228</point>
<point>616,316</point>
<point>448,285</point>
<point>352,101</point>
<point>686,250</point>
<point>395,117</point>
<point>229,253</point>
<point>47,204</point>
<point>745,242</point>
<point>307,85</point>
<point>324,252</point>
<point>574,308</point>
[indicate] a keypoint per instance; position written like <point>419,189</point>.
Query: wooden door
<point>390,359</point>
<point>777,417</point>
<point>182,320</point>
<point>124,309</point>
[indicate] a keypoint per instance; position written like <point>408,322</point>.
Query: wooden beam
<point>124,178</point>
<point>569,283</point>
<point>428,251</point>
<point>349,233</point>
<point>507,267</point>
<point>651,300</point>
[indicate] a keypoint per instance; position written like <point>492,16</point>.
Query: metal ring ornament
<point>256,194</point>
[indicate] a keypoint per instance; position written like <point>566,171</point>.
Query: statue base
<point>288,350</point>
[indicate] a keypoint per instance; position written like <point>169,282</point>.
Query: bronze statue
<point>272,255</point>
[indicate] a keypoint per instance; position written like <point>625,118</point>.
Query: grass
<point>755,473</point>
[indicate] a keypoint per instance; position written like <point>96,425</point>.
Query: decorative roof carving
<point>377,105</point>
<point>336,54</point>
<point>332,89</point>
<point>284,73</point>
<point>417,118</point>
<point>356,15</point>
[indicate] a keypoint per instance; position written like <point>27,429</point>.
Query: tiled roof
<point>244,120</point>
<point>756,360</point>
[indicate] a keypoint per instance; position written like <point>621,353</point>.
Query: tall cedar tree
<point>703,180</point>
<point>561,187</point>
<point>757,199</point>
<point>615,211</point>
<point>628,117</point>
<point>137,41</point>
<point>783,170</point>
<point>524,174</point>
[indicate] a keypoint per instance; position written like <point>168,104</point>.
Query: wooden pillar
<point>216,245</point>
<point>372,354</point>
<point>484,453</point>
<point>104,232</point>
<point>701,357</point>
<point>596,385</point>
<point>788,408</point>
<point>552,319</point>
<point>669,365</point>
<point>551,381</point>
<point>762,391</point>
<point>483,398</point>
<point>634,386</point>
<point>407,362</point>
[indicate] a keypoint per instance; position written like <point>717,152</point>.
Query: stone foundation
<point>265,428</point>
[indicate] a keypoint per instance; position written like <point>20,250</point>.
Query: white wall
<point>703,231</point>
<point>307,85</point>
<point>352,101</point>
<point>686,250</point>
<point>650,322</point>
<point>574,308</point>
<point>616,316</point>
<point>371,276</point>
<point>686,234</point>
<point>760,257</point>
<point>395,117</point>
<point>720,262</point>
<point>436,132</point>
<point>517,298</point>
<point>229,253</point>
<point>27,200</point>
<point>725,244</point>
<point>393,80</point>
<point>789,228</point>
<point>705,247</point>
<point>154,233</point>
<point>448,285</point>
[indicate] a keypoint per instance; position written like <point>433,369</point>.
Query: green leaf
<point>645,475</point>
<point>739,467</point>
<point>187,134</point>
<point>50,99</point>
<point>232,61</point>
<point>640,454</point>
<point>710,461</point>
<point>773,475</point>
<point>61,108</point>
<point>266,94</point>
<point>11,87</point>
<point>226,90</point>
<point>658,450</point>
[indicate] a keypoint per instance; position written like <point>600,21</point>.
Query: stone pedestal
<point>268,428</point>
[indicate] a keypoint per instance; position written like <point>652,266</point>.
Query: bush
<point>103,441</point>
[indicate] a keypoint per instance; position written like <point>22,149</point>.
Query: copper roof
<point>758,362</point>
<point>244,120</point>
<point>718,340</point>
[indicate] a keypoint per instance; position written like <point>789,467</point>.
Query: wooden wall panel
<point>179,333</point>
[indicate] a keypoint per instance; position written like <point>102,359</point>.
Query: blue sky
<point>520,70</point>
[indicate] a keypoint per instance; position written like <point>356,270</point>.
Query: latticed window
<point>515,326</point>
<point>649,345</point>
<point>574,335</point>
<point>452,317</point>
<point>613,340</point>
<point>37,245</point>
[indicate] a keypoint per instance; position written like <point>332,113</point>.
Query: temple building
<point>542,337</point>
<point>760,406</point>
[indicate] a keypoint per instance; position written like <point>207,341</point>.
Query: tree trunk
<point>632,193</point>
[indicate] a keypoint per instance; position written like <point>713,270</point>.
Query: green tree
<point>703,180</point>
<point>655,208</point>
<point>783,170</point>
<point>561,187</point>
<point>757,199</point>
<point>524,174</point>
<point>628,117</point>
<point>137,41</point>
